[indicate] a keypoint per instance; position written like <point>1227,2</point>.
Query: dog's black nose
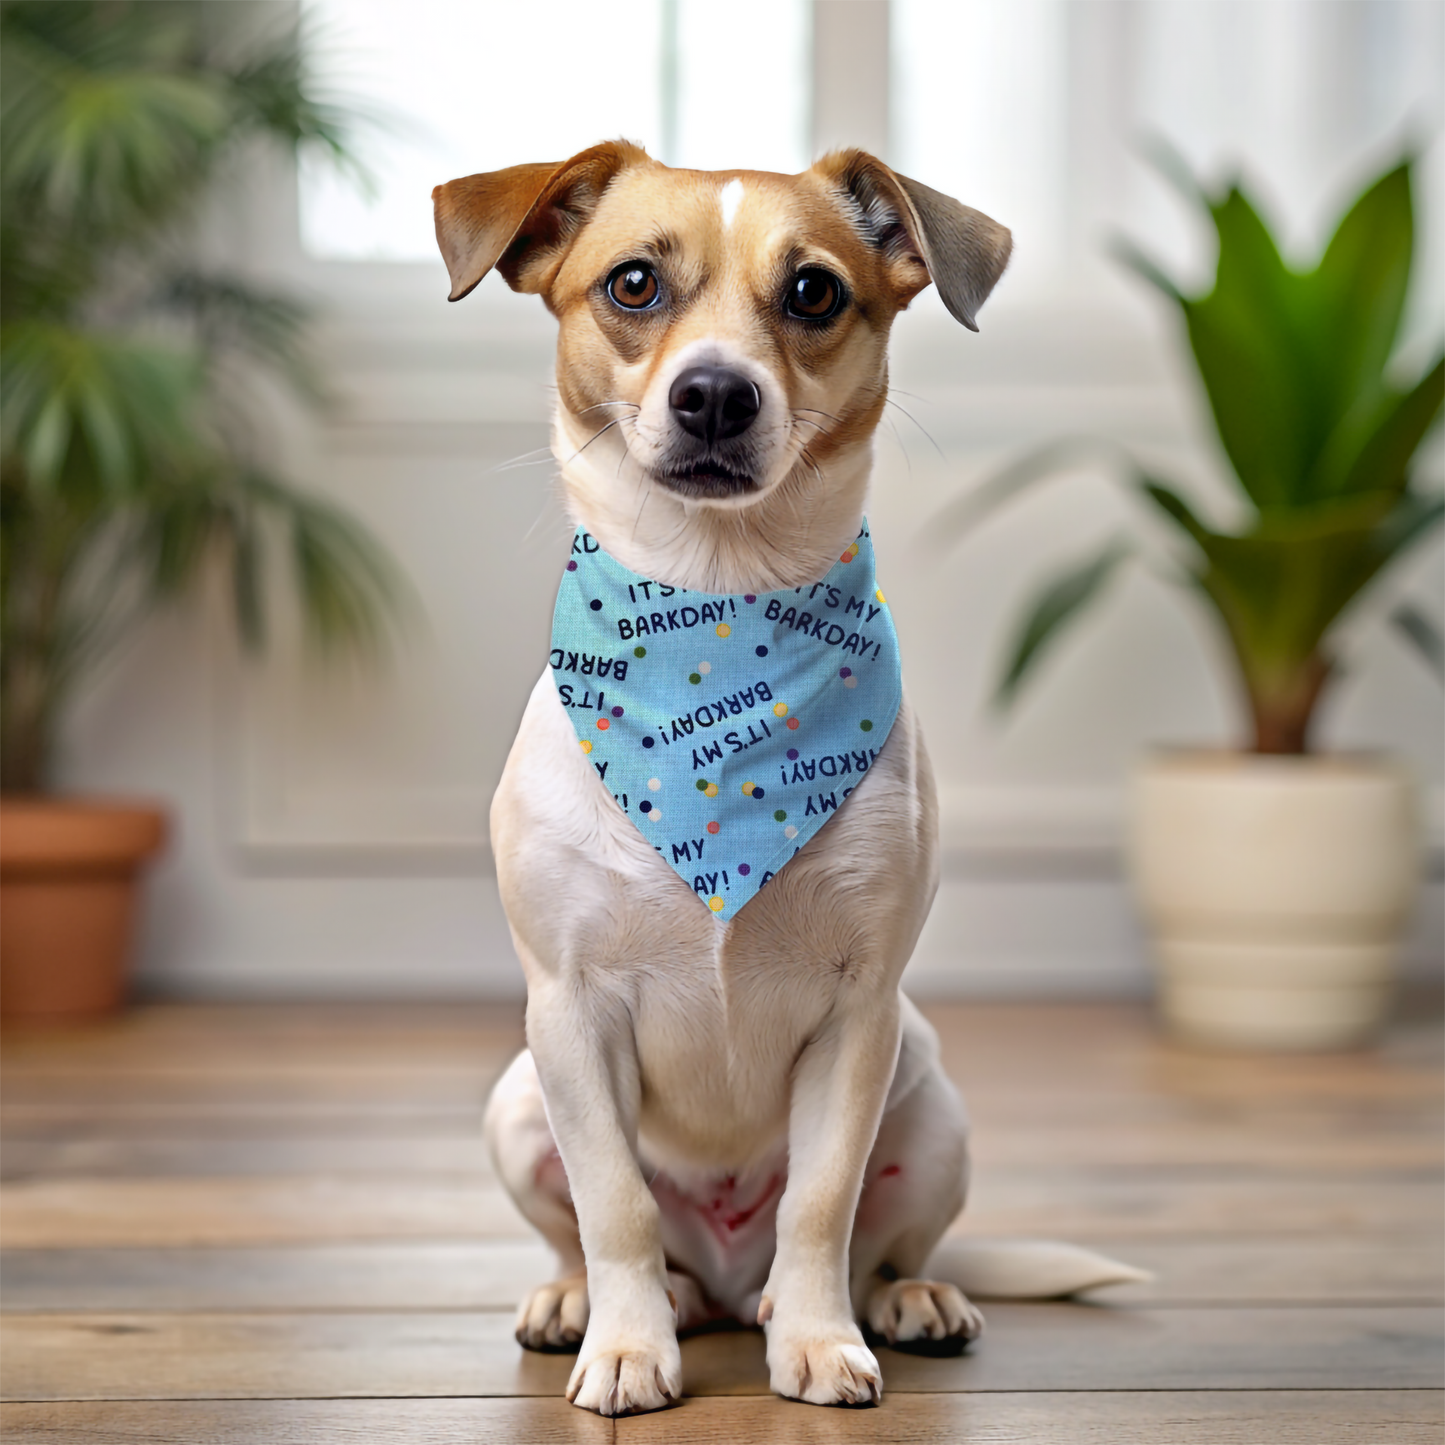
<point>712,402</point>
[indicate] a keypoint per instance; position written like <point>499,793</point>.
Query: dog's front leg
<point>587,1063</point>
<point>815,1348</point>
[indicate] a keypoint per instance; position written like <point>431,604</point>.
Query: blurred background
<point>331,822</point>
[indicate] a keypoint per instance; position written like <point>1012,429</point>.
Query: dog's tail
<point>1027,1268</point>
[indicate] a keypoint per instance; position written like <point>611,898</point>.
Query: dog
<point>738,1118</point>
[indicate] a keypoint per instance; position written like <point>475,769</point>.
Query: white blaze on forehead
<point>729,199</point>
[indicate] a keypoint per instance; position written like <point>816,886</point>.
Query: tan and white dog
<point>722,1119</point>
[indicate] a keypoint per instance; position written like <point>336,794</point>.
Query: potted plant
<point>131,456</point>
<point>1275,880</point>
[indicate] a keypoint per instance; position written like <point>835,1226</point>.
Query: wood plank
<point>1027,1347</point>
<point>106,1157</point>
<point>495,1274</point>
<point>357,1087</point>
<point>238,1034</point>
<point>1063,1205</point>
<point>1337,1417</point>
<point>1214,1141</point>
<point>483,1275</point>
<point>1210,1089</point>
<point>119,1212</point>
<point>1204,1148</point>
<point>98,1118</point>
<point>305,1422</point>
<point>1079,1347</point>
<point>238,1356</point>
<point>1098,1041</point>
<point>62,1213</point>
<point>1016,1046</point>
<point>1273,1270</point>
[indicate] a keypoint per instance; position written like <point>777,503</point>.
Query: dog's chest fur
<point>720,1011</point>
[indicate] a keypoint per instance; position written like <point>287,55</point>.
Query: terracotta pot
<point>68,881</point>
<point>1277,890</point>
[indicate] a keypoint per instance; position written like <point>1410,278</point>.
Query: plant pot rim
<point>41,834</point>
<point>1238,762</point>
<point>79,803</point>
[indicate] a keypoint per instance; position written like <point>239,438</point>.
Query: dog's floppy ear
<point>963,250</point>
<point>522,218</point>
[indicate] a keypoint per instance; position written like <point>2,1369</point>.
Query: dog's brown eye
<point>633,285</point>
<point>814,295</point>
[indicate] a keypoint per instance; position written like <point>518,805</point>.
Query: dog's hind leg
<point>914,1188</point>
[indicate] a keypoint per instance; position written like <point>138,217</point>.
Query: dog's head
<point>730,326</point>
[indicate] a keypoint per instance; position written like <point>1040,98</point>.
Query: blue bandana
<point>729,729</point>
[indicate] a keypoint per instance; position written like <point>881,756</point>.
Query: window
<point>475,86</point>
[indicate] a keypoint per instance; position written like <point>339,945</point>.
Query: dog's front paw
<point>627,1380</point>
<point>923,1315</point>
<point>823,1367</point>
<point>554,1316</point>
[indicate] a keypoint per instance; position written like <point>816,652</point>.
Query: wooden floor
<point>228,1224</point>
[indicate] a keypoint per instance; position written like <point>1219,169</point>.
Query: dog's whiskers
<point>602,432</point>
<point>890,402</point>
<point>525,459</point>
<point>634,405</point>
<point>808,421</point>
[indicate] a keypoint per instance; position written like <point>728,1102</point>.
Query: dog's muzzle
<point>713,407</point>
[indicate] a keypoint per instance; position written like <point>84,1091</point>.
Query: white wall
<point>332,825</point>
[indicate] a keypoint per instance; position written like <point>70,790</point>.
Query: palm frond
<point>1423,634</point>
<point>229,314</point>
<point>129,453</point>
<point>1053,609</point>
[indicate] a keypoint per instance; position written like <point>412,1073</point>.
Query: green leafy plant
<point>131,405</point>
<point>1321,433</point>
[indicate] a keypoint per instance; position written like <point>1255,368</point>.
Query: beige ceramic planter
<point>1276,890</point>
